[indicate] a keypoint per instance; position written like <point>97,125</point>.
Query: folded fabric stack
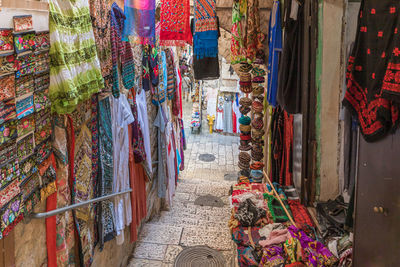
<point>261,229</point>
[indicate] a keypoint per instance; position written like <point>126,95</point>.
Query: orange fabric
<point>137,178</point>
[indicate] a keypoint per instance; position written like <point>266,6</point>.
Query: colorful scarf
<point>174,22</point>
<point>121,52</point>
<point>100,12</point>
<point>238,44</point>
<point>316,253</point>
<point>205,37</point>
<point>140,21</point>
<point>254,35</point>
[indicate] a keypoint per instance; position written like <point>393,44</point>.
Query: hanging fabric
<point>140,21</point>
<point>174,23</point>
<point>206,68</point>
<point>205,38</point>
<point>290,69</point>
<point>100,12</point>
<point>275,48</point>
<point>122,57</point>
<point>373,68</point>
<point>72,79</point>
<point>238,42</point>
<point>254,35</point>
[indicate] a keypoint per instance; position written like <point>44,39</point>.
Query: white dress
<point>144,124</point>
<point>121,116</point>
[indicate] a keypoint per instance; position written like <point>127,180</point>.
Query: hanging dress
<point>121,117</point>
<point>72,79</point>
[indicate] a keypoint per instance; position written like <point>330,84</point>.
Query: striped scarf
<point>205,36</point>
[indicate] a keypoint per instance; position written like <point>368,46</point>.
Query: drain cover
<point>230,177</point>
<point>199,256</point>
<point>206,157</point>
<point>209,200</point>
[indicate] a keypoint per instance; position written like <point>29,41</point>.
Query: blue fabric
<point>275,48</point>
<point>205,44</point>
<point>139,23</point>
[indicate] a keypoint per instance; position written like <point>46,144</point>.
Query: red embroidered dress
<point>373,72</point>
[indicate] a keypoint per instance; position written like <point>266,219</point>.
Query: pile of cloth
<point>263,233</point>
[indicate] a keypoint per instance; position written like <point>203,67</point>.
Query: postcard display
<point>27,173</point>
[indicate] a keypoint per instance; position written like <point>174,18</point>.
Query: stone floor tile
<point>171,253</point>
<point>149,251</point>
<point>209,236</point>
<point>160,234</point>
<point>144,263</point>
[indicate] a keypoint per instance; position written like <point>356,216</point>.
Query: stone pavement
<point>186,224</point>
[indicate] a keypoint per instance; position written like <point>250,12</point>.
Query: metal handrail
<point>44,215</point>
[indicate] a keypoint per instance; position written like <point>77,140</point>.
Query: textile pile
<point>263,233</point>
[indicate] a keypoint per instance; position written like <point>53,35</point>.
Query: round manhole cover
<point>199,256</point>
<point>207,157</point>
<point>209,200</point>
<point>230,177</point>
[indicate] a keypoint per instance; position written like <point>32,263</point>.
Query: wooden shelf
<point>25,4</point>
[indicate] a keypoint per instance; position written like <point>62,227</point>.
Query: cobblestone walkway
<point>187,224</point>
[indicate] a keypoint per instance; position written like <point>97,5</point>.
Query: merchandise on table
<point>22,23</point>
<point>6,41</point>
<point>24,42</point>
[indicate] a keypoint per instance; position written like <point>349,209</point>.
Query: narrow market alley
<point>199,133</point>
<point>187,224</point>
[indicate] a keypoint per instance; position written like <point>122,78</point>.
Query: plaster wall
<point>330,97</point>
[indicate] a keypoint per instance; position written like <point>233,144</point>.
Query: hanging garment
<point>160,122</point>
<point>228,126</point>
<point>275,49</point>
<point>100,12</point>
<point>122,57</point>
<point>171,158</point>
<point>290,68</point>
<point>106,214</point>
<point>121,117</point>
<point>140,21</point>
<point>219,120</point>
<point>236,110</point>
<point>144,126</point>
<point>238,42</point>
<point>171,78</point>
<point>65,246</point>
<point>150,74</point>
<point>205,68</point>
<point>254,35</point>
<point>81,178</point>
<point>372,83</point>
<point>205,37</point>
<point>174,23</point>
<point>137,178</point>
<point>72,79</point>
<point>281,147</point>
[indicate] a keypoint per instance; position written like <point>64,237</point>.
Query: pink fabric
<point>275,238</point>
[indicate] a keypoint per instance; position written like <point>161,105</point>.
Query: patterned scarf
<point>238,44</point>
<point>206,29</point>
<point>174,22</point>
<point>140,20</point>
